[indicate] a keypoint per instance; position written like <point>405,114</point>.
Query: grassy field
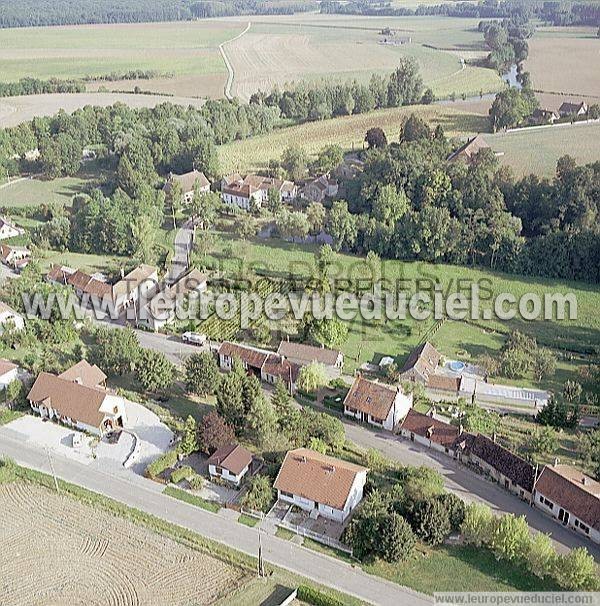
<point>370,340</point>
<point>186,50</point>
<point>33,192</point>
<point>565,60</point>
<point>348,132</point>
<point>537,151</point>
<point>281,50</point>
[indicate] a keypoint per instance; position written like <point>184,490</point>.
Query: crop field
<point>287,49</point>
<point>15,110</point>
<point>348,132</point>
<point>77,555</point>
<point>537,150</point>
<point>185,53</point>
<point>565,60</point>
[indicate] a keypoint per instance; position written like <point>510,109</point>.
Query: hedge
<point>313,596</point>
<point>163,462</point>
<point>181,473</point>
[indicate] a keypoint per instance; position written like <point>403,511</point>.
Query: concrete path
<point>146,496</point>
<point>183,246</point>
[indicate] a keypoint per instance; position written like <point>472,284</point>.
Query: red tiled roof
<point>84,373</point>
<point>233,457</point>
<point>423,359</point>
<point>572,490</point>
<point>6,366</point>
<point>371,398</point>
<point>252,357</point>
<point>435,430</point>
<point>317,477</point>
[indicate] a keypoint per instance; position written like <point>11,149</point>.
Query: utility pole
<point>261,563</point>
<point>52,469</point>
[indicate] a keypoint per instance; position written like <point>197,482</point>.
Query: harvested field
<point>56,550</point>
<point>538,150</point>
<point>348,132</point>
<point>283,50</point>
<point>565,60</point>
<point>15,110</point>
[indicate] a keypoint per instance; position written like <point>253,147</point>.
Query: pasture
<point>537,150</point>
<point>565,60</point>
<point>347,131</point>
<point>183,50</point>
<point>369,340</point>
<point>280,50</point>
<point>33,192</point>
<point>74,554</point>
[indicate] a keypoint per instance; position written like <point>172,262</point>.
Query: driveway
<point>183,244</point>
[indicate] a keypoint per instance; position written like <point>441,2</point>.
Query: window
<point>219,470</point>
<point>546,502</point>
<point>289,495</point>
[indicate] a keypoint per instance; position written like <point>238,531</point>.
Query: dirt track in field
<point>58,551</point>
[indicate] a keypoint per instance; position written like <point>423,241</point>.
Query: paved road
<point>467,484</point>
<point>145,495</point>
<point>183,244</point>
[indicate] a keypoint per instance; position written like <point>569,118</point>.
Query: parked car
<point>193,338</point>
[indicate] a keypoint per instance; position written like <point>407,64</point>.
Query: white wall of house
<point>16,321</point>
<point>8,231</point>
<point>7,378</point>
<point>225,474</point>
<point>53,415</point>
<point>241,201</point>
<point>414,437</point>
<point>502,480</point>
<point>574,523</point>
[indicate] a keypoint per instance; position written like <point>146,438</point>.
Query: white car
<point>193,338</point>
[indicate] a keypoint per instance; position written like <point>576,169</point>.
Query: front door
<point>563,516</point>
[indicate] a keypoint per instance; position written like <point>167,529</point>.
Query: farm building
<point>508,469</point>
<point>544,116</point>
<point>302,354</point>
<point>467,152</point>
<point>230,463</point>
<point>15,257</point>
<point>571,497</point>
<point>377,404</point>
<point>87,408</point>
<point>59,274</point>
<point>320,484</point>
<point>188,182</point>
<point>267,365</point>
<point>429,431</point>
<point>320,188</point>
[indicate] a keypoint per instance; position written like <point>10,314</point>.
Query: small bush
<point>313,596</point>
<point>196,481</point>
<point>159,465</point>
<point>182,473</point>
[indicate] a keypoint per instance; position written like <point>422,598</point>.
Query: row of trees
<point>409,203</point>
<point>507,41</point>
<point>319,101</point>
<point>35,86</point>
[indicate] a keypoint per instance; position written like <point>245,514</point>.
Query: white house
<point>188,182</point>
<point>10,319</point>
<point>571,497</point>
<point>140,284</point>
<point>319,484</point>
<point>9,372</point>
<point>239,192</point>
<point>377,404</point>
<point>8,230</point>
<point>89,409</point>
<point>16,257</point>
<point>230,463</point>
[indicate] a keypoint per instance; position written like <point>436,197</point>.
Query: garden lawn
<point>191,499</point>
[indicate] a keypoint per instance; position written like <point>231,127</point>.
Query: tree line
<point>320,101</point>
<point>410,203</point>
<point>35,86</point>
<point>27,13</point>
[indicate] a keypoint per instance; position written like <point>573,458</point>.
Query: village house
<point>319,484</point>
<point>320,188</point>
<point>140,284</point>
<point>266,365</point>
<point>15,257</point>
<point>10,319</point>
<point>421,364</point>
<point>9,372</point>
<point>84,284</point>
<point>467,152</point>
<point>8,230</point>
<point>84,407</point>
<point>544,116</point>
<point>86,374</point>
<point>377,404</point>
<point>254,190</point>
<point>573,109</point>
<point>571,497</point>
<point>162,308</point>
<point>59,274</point>
<point>230,463</point>
<point>429,431</point>
<point>508,469</point>
<point>188,182</point>
<point>303,355</point>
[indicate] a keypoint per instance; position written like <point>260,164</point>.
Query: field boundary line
<point>230,72</point>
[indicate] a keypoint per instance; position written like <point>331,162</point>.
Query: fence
<point>319,538</point>
<point>259,515</point>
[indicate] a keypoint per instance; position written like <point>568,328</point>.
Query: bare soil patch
<point>58,551</point>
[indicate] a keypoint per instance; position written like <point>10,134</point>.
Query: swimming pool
<point>456,366</point>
